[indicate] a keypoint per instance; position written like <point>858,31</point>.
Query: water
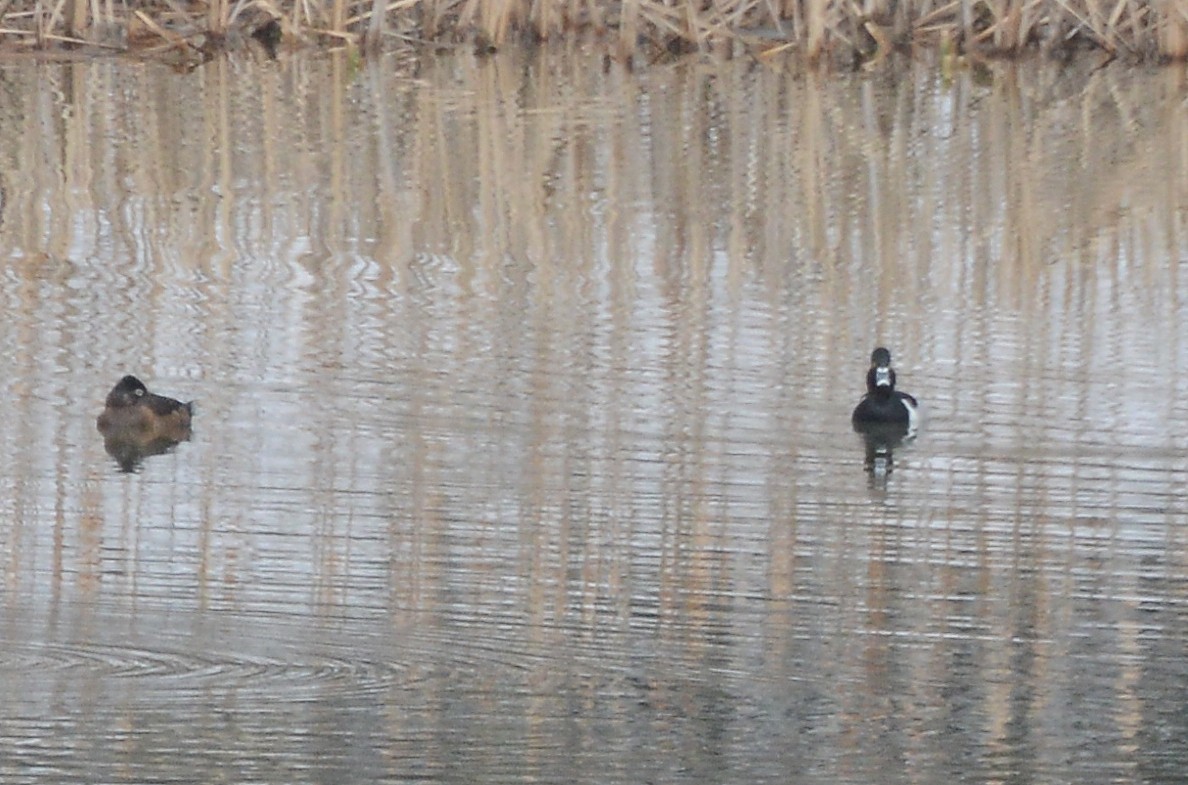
<point>523,449</point>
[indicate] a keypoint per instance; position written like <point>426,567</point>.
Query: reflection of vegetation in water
<point>828,30</point>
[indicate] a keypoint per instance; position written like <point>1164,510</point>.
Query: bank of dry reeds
<point>817,30</point>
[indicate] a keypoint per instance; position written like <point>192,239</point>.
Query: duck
<point>133,414</point>
<point>883,406</point>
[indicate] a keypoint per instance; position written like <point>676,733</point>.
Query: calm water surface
<point>523,448</point>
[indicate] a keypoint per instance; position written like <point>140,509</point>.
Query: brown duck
<point>136,423</point>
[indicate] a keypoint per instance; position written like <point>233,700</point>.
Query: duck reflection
<point>880,441</point>
<point>129,451</point>
<point>136,423</point>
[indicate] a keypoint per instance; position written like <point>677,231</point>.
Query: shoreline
<point>633,32</point>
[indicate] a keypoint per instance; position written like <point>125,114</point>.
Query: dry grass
<point>833,31</point>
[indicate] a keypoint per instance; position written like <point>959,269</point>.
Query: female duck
<point>883,405</point>
<point>134,413</point>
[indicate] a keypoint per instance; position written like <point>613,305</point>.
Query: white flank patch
<point>913,417</point>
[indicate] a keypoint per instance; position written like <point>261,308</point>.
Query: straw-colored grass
<point>831,31</point>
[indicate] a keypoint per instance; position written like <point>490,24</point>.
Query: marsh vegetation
<point>818,31</point>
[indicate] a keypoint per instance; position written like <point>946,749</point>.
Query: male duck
<point>883,405</point>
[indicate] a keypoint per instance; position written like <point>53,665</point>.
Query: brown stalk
<point>75,17</point>
<point>216,16</point>
<point>375,27</point>
<point>817,11</point>
<point>170,37</point>
<point>338,16</point>
<point>398,5</point>
<point>629,26</point>
<point>1173,32</point>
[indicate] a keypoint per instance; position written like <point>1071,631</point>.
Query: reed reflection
<point>512,420</point>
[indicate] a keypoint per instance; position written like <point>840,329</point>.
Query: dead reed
<point>830,31</point>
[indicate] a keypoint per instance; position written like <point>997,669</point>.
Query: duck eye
<point>139,393</point>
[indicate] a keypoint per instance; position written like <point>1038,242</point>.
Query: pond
<point>522,445</point>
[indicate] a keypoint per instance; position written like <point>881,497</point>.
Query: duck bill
<point>882,377</point>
